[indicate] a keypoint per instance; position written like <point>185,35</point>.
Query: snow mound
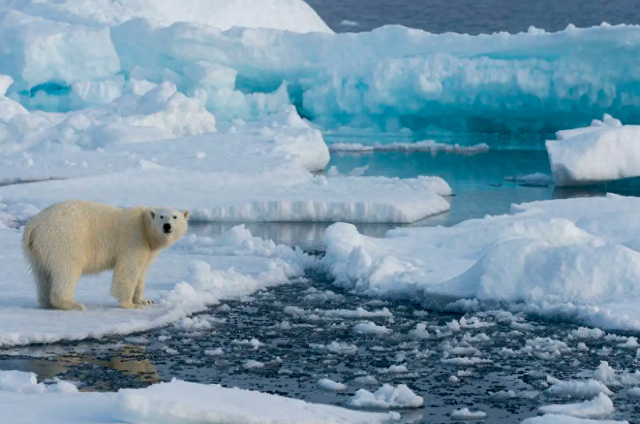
<point>604,151</point>
<point>180,401</point>
<point>578,259</point>
<point>387,396</point>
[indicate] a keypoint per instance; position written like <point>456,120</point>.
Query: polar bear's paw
<point>145,302</point>
<point>68,305</point>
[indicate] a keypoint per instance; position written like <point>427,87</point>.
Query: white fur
<point>74,238</point>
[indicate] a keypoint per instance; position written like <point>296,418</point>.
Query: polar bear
<point>78,237</point>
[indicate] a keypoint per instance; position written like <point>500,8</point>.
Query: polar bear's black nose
<point>166,227</point>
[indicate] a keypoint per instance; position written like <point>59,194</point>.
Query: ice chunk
<point>183,401</point>
<point>598,407</point>
<point>331,385</point>
<point>369,327</point>
<point>604,151</point>
<point>466,414</point>
<point>387,396</point>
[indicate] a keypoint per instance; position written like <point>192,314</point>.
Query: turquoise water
<point>483,184</point>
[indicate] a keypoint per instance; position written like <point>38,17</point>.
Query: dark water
<point>475,16</point>
<point>293,354</point>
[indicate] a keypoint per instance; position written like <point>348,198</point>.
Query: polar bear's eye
<point>175,217</point>
<point>161,216</point>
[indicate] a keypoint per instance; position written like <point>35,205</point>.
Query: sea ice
<point>578,259</point>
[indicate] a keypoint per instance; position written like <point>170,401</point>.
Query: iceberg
<point>69,55</point>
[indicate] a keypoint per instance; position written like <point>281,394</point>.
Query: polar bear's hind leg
<point>63,285</point>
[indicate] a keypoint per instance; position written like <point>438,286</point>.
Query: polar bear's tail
<point>39,273</point>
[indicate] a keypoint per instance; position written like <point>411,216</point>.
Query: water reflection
<point>130,360</point>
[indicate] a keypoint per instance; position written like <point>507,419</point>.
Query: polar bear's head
<point>167,225</point>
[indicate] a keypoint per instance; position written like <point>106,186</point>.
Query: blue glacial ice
<point>391,80</point>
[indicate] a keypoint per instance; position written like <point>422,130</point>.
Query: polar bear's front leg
<point>126,276</point>
<point>137,294</point>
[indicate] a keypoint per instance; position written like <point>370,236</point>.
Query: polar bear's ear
<point>152,214</point>
<point>186,214</point>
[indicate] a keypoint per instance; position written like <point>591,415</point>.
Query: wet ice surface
<point>286,339</point>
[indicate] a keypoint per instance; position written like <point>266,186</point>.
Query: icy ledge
<point>604,151</point>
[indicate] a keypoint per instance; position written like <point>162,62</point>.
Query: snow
<point>179,281</point>
<point>387,396</point>
<point>578,259</point>
<point>604,151</point>
<point>598,407</point>
<point>176,402</point>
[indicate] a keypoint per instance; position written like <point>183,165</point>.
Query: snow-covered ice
<point>181,283</point>
<point>577,259</point>
<point>604,151</point>
<point>176,402</point>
